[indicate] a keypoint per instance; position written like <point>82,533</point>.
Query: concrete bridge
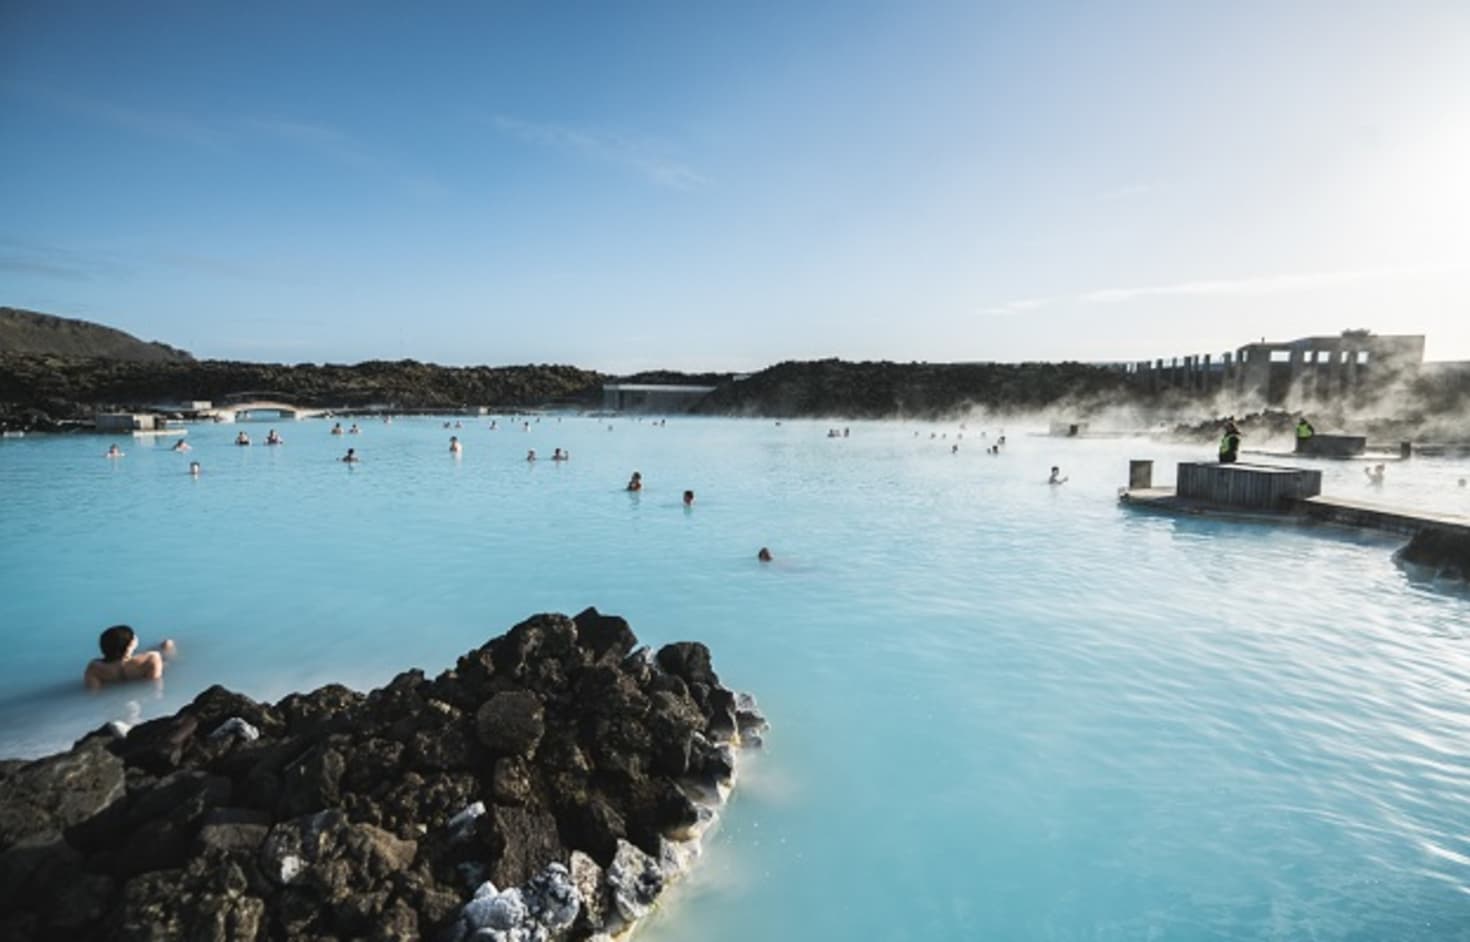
<point>237,411</point>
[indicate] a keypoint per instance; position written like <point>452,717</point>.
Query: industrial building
<point>1321,368</point>
<point>651,397</point>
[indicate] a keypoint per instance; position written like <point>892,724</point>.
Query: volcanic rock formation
<point>548,787</point>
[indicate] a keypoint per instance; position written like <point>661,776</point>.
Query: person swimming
<point>194,468</point>
<point>531,455</point>
<point>454,446</point>
<point>560,455</point>
<point>354,430</point>
<point>764,555</point>
<point>337,429</point>
<point>954,449</point>
<point>114,452</point>
<point>635,483</point>
<point>273,439</point>
<point>1056,476</point>
<point>351,456</point>
<point>1375,474</point>
<point>181,445</point>
<point>242,439</point>
<point>688,498</point>
<point>119,664</point>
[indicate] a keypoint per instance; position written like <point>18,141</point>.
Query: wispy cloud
<point>640,157</point>
<point>1258,285</point>
<point>321,139</point>
<point>226,134</point>
<point>1127,191</point>
<point>24,257</point>
<point>1013,308</point>
<point>216,267</point>
<point>1255,286</point>
<point>335,145</point>
<point>166,125</point>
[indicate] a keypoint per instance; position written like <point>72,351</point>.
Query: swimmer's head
<point>117,642</point>
<point>764,555</point>
<point>688,497</point>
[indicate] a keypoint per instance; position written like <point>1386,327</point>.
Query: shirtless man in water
<point>119,663</point>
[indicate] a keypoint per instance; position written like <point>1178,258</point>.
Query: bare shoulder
<point>145,666</point>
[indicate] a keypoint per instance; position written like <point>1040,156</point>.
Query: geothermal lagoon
<point>1000,709</point>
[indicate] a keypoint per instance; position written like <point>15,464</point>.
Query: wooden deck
<point>1229,497</point>
<point>1167,501</point>
<point>1242,486</point>
<point>1368,515</point>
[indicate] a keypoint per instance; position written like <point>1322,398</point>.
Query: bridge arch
<point>263,410</point>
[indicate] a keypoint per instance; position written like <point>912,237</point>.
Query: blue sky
<point>699,185</point>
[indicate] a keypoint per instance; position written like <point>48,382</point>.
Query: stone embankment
<point>549,787</point>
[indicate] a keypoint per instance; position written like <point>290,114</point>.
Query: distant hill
<point>28,332</point>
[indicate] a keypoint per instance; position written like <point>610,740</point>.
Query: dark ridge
<point>36,391</point>
<point>30,332</point>
<point>836,388</point>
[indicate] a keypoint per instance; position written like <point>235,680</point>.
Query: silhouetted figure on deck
<point>1229,443</point>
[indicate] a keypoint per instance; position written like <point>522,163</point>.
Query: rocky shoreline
<point>550,786</point>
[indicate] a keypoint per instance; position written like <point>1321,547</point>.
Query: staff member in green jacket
<point>1229,443</point>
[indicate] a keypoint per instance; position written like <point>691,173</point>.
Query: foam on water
<point>1002,709</point>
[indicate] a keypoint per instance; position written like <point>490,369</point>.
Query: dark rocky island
<point>1438,551</point>
<point>548,787</point>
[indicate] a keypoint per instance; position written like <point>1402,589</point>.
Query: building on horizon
<point>1309,368</point>
<point>652,397</point>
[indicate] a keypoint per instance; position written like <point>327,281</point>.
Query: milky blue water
<point>1002,710</point>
